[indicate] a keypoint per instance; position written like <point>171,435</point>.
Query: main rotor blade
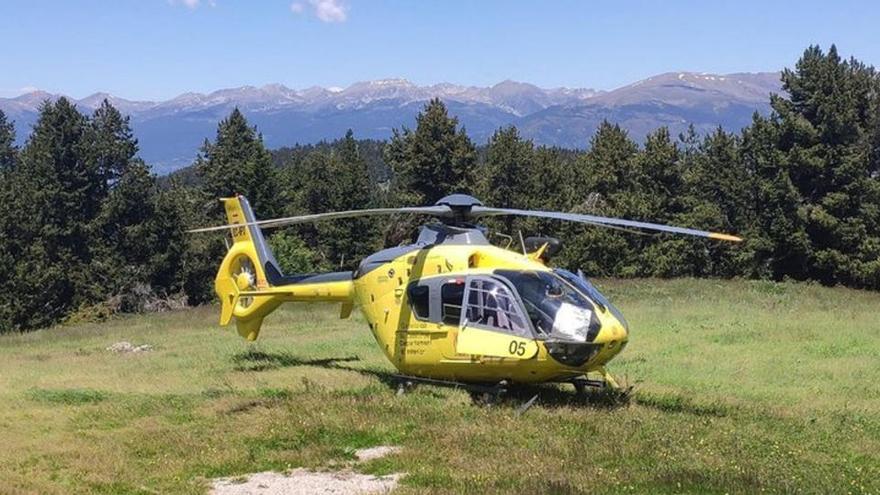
<point>438,211</point>
<point>482,211</point>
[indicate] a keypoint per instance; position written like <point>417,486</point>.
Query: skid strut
<point>582,382</point>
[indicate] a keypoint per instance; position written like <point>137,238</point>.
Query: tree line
<point>87,230</point>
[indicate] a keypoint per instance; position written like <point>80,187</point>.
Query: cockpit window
<point>554,306</point>
<point>582,285</point>
<point>590,290</point>
<point>451,296</point>
<point>491,305</point>
<point>418,296</point>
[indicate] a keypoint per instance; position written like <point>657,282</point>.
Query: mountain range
<point>170,132</point>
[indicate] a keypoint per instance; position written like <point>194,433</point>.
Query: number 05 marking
<point>517,348</point>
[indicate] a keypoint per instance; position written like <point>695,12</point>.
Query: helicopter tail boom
<point>250,283</point>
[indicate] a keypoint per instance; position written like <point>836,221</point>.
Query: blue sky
<point>152,49</point>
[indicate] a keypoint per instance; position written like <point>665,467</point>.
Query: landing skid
<point>582,382</point>
<point>488,394</point>
<point>485,394</point>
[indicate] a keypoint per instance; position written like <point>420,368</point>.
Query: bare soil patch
<point>305,482</point>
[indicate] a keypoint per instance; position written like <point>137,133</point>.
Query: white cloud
<point>329,10</point>
<point>325,10</point>
<point>192,4</point>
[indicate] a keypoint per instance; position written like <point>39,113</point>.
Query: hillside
<point>740,387</point>
<point>171,131</point>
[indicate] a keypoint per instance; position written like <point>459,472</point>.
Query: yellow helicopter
<point>451,308</point>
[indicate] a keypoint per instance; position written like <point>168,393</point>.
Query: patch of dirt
<point>371,453</point>
<point>129,348</point>
<point>305,482</point>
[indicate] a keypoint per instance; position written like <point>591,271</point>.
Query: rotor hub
<point>460,206</point>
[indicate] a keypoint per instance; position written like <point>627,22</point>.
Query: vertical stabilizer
<point>250,284</point>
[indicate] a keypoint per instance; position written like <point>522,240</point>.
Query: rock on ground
<point>371,453</point>
<point>305,482</point>
<point>126,347</point>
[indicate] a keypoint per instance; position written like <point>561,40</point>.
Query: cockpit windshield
<point>587,288</point>
<point>555,308</point>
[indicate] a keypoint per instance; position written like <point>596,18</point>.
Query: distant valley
<point>170,132</point>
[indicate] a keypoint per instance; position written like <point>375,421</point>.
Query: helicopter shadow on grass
<point>255,360</point>
<point>549,396</point>
<point>554,396</point>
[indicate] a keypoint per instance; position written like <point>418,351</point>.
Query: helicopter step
<point>485,394</point>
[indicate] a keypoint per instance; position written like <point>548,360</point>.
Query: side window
<point>452,297</point>
<point>418,300</point>
<point>491,305</point>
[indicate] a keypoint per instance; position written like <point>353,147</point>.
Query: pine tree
<point>554,170</point>
<point>716,198</point>
<point>112,144</point>
<point>8,158</point>
<point>607,182</point>
<point>47,220</point>
<point>318,192</point>
<point>359,236</point>
<point>356,187</point>
<point>140,239</point>
<point>662,191</point>
<point>238,163</point>
<point>81,220</point>
<point>510,179</point>
<point>116,253</point>
<point>776,243</point>
<point>434,160</point>
<point>181,205</point>
<point>659,167</point>
<point>609,168</point>
<point>293,255</point>
<point>137,241</point>
<point>8,150</point>
<point>338,180</point>
<point>829,139</point>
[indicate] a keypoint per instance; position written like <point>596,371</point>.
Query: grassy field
<point>740,387</point>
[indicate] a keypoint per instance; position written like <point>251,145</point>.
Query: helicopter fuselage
<point>452,306</point>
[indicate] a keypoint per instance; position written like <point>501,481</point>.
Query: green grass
<point>740,387</point>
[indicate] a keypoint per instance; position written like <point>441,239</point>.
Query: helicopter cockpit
<point>584,285</point>
<point>553,306</point>
<point>557,311</point>
<point>558,308</point>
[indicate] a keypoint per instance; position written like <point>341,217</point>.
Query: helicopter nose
<point>613,335</point>
<point>613,338</point>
